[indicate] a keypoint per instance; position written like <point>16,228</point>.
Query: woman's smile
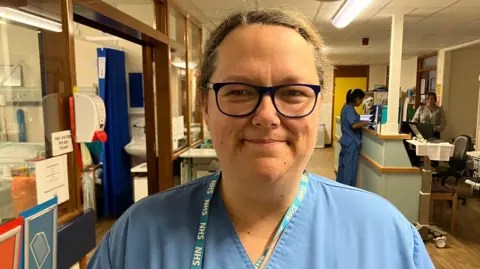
<point>265,142</point>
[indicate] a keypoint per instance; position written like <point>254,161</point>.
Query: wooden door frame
<point>346,71</point>
<point>58,78</point>
<point>155,48</point>
<point>420,70</point>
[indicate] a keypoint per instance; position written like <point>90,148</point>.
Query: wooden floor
<point>463,250</point>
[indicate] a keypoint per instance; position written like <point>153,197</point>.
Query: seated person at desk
<point>351,139</point>
<point>261,74</point>
<point>430,113</point>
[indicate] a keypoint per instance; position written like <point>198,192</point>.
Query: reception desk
<point>385,169</point>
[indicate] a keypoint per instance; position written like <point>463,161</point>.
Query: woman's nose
<point>266,115</point>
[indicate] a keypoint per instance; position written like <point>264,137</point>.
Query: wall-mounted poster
<point>10,244</point>
<point>40,236</point>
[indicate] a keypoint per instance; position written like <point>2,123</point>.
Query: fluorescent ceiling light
<point>349,12</point>
<point>29,19</point>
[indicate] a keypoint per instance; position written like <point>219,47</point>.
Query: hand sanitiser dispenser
<point>90,117</point>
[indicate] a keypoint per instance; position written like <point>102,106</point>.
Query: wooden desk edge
<point>384,169</point>
<point>69,216</point>
<point>388,137</point>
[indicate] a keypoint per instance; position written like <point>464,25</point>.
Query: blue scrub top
<point>336,227</point>
<point>348,117</point>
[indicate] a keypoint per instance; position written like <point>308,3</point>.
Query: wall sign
<point>52,179</point>
<point>102,63</point>
<point>62,143</point>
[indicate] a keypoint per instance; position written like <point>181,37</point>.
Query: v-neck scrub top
<point>337,226</point>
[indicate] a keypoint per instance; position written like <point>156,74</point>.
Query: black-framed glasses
<point>236,99</point>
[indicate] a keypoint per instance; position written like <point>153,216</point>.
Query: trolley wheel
<point>441,242</point>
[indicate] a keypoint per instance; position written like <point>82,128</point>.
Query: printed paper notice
<point>52,179</point>
<point>102,66</point>
<point>62,143</point>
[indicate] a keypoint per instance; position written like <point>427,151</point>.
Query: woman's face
<point>431,101</point>
<point>265,143</point>
<point>359,101</point>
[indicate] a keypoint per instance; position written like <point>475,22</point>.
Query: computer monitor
<point>423,129</point>
<point>415,130</point>
<point>426,130</point>
<point>365,117</point>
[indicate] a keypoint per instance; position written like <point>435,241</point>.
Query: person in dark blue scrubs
<point>351,139</point>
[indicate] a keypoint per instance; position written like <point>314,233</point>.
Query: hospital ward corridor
<point>218,134</point>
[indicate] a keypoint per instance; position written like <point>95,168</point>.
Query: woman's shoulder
<point>171,201</point>
<point>165,219</point>
<point>343,197</point>
<point>166,210</point>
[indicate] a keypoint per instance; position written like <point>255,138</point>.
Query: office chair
<point>457,165</point>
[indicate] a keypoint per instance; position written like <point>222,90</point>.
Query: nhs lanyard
<point>199,251</point>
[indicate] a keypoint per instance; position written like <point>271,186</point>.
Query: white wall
<point>86,63</point>
<point>142,12</point>
<point>408,78</point>
<point>462,92</point>
<point>377,76</point>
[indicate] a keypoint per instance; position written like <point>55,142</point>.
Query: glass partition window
<point>178,79</point>
<point>195,51</point>
<point>22,136</point>
<point>430,62</point>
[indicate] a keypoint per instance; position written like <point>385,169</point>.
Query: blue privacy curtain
<point>117,183</point>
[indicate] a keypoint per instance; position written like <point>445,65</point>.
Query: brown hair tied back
<point>289,19</point>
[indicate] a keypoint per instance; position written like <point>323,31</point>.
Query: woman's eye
<point>293,93</point>
<point>238,92</point>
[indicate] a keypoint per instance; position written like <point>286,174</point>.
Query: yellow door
<point>342,85</point>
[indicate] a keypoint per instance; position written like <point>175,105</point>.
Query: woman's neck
<point>251,202</point>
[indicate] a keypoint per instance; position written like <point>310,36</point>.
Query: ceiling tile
<point>468,3</point>
<point>420,3</point>
<point>217,14</point>
<point>215,4</point>
<point>422,11</point>
<point>429,26</point>
<point>288,3</point>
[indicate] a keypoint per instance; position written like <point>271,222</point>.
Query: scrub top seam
<point>278,259</point>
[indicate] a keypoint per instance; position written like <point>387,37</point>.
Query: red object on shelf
<point>101,136</point>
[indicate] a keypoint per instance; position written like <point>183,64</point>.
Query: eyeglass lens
<point>291,101</point>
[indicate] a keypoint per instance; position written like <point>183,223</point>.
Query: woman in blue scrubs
<point>261,75</point>
<point>351,139</point>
